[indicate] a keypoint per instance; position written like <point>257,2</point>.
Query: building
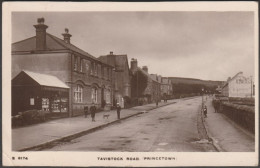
<point>166,87</point>
<point>238,86</point>
<point>151,91</point>
<point>122,84</point>
<point>89,79</point>
<point>41,92</point>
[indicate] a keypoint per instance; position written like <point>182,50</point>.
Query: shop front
<point>34,91</point>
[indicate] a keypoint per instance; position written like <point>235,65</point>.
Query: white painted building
<point>238,86</point>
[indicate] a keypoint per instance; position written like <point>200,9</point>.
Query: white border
<point>90,158</point>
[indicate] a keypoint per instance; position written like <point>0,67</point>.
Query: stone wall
<point>241,114</point>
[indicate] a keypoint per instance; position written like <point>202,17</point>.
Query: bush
<point>32,116</point>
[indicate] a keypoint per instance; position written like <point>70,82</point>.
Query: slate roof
<point>118,61</point>
<point>53,43</point>
<point>46,80</point>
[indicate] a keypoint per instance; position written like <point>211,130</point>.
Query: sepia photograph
<point>130,84</point>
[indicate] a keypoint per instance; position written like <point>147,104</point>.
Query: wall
<point>56,64</point>
<point>89,80</point>
<point>240,87</point>
<point>242,115</point>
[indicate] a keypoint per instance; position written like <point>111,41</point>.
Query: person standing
<point>93,111</point>
<point>118,109</point>
<point>205,111</point>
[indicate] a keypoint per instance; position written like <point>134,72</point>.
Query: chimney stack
<point>66,36</point>
<point>133,64</point>
<point>40,34</point>
<point>111,52</point>
<point>145,68</point>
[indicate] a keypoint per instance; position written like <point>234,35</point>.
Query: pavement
<point>42,134</point>
<point>227,136</point>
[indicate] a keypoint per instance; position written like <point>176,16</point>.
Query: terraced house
<point>122,84</point>
<point>89,79</point>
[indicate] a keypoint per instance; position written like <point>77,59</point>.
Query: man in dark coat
<point>93,111</point>
<point>216,105</point>
<point>118,109</point>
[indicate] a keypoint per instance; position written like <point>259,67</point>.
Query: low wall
<point>241,114</point>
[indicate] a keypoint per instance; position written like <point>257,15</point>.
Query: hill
<point>190,86</point>
<point>210,83</point>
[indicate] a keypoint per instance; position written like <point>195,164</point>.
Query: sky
<point>202,45</point>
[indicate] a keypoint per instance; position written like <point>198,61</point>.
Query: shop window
<point>78,94</point>
<point>94,95</point>
<point>45,104</point>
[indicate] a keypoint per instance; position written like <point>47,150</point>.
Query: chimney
<point>145,68</point>
<point>133,64</point>
<point>111,52</point>
<point>40,34</point>
<point>66,36</point>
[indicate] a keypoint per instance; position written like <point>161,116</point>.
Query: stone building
<point>152,91</point>
<point>238,86</point>
<point>122,81</point>
<point>89,79</point>
<point>166,87</point>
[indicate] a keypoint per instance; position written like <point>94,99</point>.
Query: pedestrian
<point>205,111</point>
<point>93,111</point>
<point>156,102</point>
<point>118,109</point>
<point>86,111</point>
<point>216,105</point>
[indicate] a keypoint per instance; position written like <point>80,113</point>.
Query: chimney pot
<point>111,52</point>
<point>133,64</point>
<point>66,36</point>
<point>145,68</point>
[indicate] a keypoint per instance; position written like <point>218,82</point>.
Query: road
<point>169,128</point>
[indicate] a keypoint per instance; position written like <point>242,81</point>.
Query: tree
<point>139,83</point>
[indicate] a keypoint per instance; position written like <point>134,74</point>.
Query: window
<point>75,67</point>
<point>97,69</point>
<point>92,68</point>
<point>94,95</point>
<point>87,68</point>
<point>102,71</point>
<point>78,93</point>
<point>81,65</point>
<point>108,73</point>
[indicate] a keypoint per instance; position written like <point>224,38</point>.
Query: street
<point>169,128</point>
